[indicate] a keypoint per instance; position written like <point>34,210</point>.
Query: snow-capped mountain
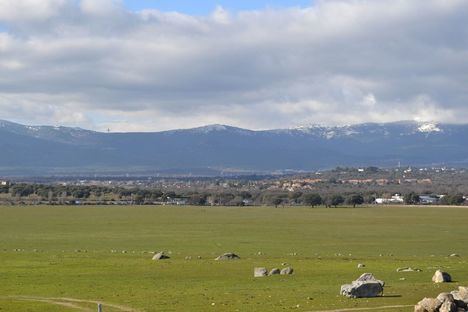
<point>46,149</point>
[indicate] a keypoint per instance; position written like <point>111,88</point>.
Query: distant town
<point>340,186</point>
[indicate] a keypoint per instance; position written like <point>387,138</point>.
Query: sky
<point>157,65</point>
<point>204,7</point>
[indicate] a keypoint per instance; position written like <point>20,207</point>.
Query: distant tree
<point>294,196</point>
<point>335,200</point>
<point>369,199</point>
<point>411,198</point>
<point>198,199</point>
<point>138,199</point>
<point>245,195</point>
<point>277,201</point>
<point>313,199</point>
<point>454,200</point>
<point>22,190</point>
<point>355,199</point>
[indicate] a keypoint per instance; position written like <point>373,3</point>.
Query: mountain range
<point>220,149</point>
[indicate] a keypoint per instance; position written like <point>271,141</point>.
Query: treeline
<point>25,193</point>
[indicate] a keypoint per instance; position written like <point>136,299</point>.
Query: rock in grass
<point>260,272</point>
<point>408,269</point>
<point>369,277</point>
<point>362,289</point>
<point>428,305</point>
<point>160,256</point>
<point>366,286</point>
<point>445,302</point>
<point>461,294</point>
<point>361,265</point>
<point>441,277</point>
<point>228,256</point>
<point>287,271</point>
<point>274,271</point>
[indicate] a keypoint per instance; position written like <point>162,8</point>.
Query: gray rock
<point>428,305</point>
<point>445,297</point>
<point>408,269</point>
<point>360,266</point>
<point>362,289</point>
<point>461,294</point>
<point>274,271</point>
<point>448,306</point>
<point>260,272</point>
<point>441,277</point>
<point>369,277</point>
<point>228,256</point>
<point>287,271</point>
<point>160,256</point>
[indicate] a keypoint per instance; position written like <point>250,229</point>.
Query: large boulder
<point>366,286</point>
<point>362,289</point>
<point>228,256</point>
<point>260,272</point>
<point>448,307</point>
<point>445,302</point>
<point>160,256</point>
<point>428,305</point>
<point>441,277</point>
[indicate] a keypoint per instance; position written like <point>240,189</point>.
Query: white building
<point>395,199</point>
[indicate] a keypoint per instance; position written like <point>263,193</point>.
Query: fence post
<point>99,307</point>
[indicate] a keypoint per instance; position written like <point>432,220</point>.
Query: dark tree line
<point>88,194</point>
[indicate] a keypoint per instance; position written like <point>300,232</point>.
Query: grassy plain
<point>65,252</point>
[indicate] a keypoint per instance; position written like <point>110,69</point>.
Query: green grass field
<point>329,244</point>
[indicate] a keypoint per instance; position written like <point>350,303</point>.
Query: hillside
<point>215,149</point>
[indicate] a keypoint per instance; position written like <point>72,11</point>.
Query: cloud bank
<point>94,64</point>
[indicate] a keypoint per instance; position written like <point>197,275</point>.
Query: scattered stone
<point>274,271</point>
<point>287,271</point>
<point>360,265</point>
<point>198,257</point>
<point>441,277</point>
<point>454,255</point>
<point>260,272</point>
<point>124,251</point>
<point>160,256</point>
<point>402,279</point>
<point>366,286</point>
<point>188,258</point>
<point>408,269</point>
<point>228,256</point>
<point>284,263</point>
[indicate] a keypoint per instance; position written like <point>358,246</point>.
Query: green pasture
<point>60,259</point>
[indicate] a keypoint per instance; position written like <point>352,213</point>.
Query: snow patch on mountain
<point>429,128</point>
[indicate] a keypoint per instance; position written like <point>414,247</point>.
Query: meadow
<point>55,258</point>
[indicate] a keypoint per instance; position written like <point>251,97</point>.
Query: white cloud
<point>29,10</point>
<point>94,64</point>
<point>100,7</point>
